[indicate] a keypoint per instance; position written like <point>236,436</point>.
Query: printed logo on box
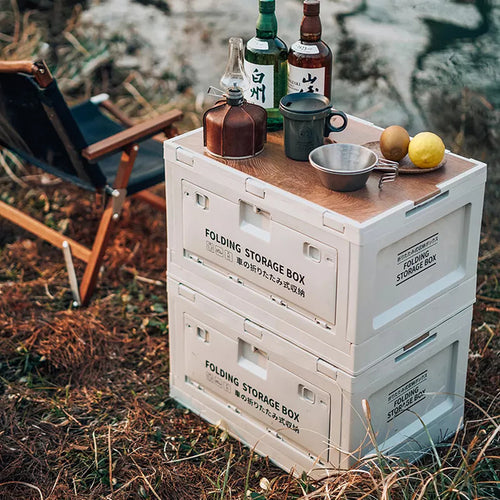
<point>406,396</point>
<point>416,259</point>
<point>256,263</point>
<point>252,397</point>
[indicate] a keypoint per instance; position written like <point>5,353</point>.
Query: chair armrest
<point>17,67</point>
<point>38,69</point>
<point>131,135</point>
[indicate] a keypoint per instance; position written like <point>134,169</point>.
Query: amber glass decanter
<point>310,59</point>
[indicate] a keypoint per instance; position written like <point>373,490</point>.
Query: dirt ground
<point>79,386</point>
<point>84,392</point>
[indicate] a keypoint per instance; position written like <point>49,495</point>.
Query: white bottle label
<point>302,48</point>
<point>306,80</point>
<point>255,43</point>
<point>261,89</point>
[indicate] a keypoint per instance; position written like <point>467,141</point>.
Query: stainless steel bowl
<point>346,167</point>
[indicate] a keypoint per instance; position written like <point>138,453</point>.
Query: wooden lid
<point>300,178</point>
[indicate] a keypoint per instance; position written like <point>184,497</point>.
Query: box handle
<point>427,201</point>
<point>415,345</point>
<point>252,358</point>
<point>255,221</point>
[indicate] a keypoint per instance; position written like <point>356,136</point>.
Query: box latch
<point>184,156</point>
<point>255,187</point>
<point>253,329</point>
<point>326,369</point>
<point>186,292</point>
<point>329,220</point>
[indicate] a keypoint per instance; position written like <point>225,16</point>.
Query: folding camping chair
<point>81,145</point>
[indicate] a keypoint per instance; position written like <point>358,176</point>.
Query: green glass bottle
<point>266,65</point>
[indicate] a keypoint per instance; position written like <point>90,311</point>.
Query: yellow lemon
<point>426,150</point>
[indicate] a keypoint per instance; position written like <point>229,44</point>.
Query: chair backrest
<point>37,125</point>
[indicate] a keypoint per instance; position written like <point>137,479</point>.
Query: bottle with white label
<point>266,65</point>
<point>310,59</point>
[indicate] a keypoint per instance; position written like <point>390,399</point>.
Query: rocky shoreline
<point>388,59</point>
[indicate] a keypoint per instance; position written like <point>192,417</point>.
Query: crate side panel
<point>418,385</point>
<point>243,239</point>
<point>426,262</point>
<point>253,375</point>
<point>410,264</point>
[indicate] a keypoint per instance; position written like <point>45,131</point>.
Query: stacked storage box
<point>290,304</point>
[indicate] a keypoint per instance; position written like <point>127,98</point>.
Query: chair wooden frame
<point>125,141</point>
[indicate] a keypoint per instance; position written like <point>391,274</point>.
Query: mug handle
<point>329,127</point>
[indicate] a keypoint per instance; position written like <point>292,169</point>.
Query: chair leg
<point>70,268</point>
<point>98,249</point>
<point>108,220</point>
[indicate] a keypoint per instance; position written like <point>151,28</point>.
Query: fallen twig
<point>11,174</point>
<point>488,299</point>
<point>24,484</point>
<point>194,456</point>
<point>143,279</point>
<point>489,254</point>
<point>110,458</point>
<point>145,479</point>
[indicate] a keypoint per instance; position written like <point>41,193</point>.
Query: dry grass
<point>84,405</point>
<point>84,397</point>
<point>24,38</point>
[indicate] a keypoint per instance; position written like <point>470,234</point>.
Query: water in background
<point>394,59</point>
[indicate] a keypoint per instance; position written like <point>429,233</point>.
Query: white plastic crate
<point>312,337</point>
<point>297,408</point>
<point>345,270</point>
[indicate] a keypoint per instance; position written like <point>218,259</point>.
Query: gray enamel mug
<point>306,122</point>
<point>346,167</point>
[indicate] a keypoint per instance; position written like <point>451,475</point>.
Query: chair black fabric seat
<point>38,126</point>
<point>96,126</point>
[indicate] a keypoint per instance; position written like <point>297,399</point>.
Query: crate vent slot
<point>416,347</point>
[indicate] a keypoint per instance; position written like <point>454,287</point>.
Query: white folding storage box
<point>348,275</point>
<point>302,410</point>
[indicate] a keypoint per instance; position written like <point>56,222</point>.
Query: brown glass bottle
<point>310,59</point>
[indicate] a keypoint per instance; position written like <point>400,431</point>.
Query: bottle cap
<point>234,96</point>
<point>311,7</point>
<point>266,6</point>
